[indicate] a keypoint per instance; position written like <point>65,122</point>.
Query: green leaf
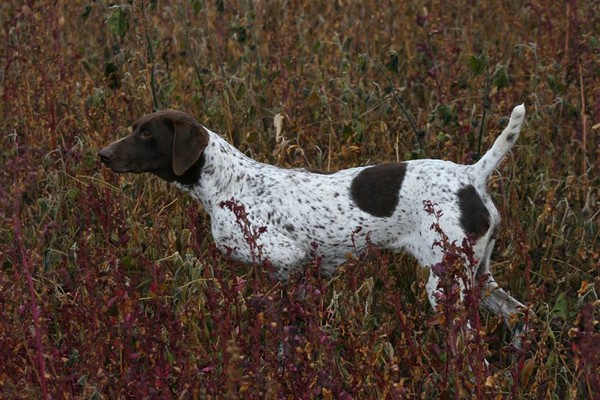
<point>363,62</point>
<point>555,84</point>
<point>478,63</point>
<point>394,62</point>
<point>560,306</point>
<point>553,360</point>
<point>111,72</point>
<point>197,6</point>
<point>72,195</point>
<point>500,77</point>
<point>118,21</point>
<point>445,114</point>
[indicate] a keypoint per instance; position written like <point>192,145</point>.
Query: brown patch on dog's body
<point>375,189</point>
<point>474,216</point>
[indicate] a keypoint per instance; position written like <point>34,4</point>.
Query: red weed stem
<point>34,307</point>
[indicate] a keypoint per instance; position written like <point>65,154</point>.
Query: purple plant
<point>250,232</point>
<point>110,286</point>
<point>458,311</point>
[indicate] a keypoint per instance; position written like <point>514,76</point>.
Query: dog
<point>334,214</point>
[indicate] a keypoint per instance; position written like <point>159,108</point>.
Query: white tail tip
<point>518,112</point>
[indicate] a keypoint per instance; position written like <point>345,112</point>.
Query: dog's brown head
<point>167,143</point>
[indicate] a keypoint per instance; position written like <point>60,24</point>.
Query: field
<point>111,286</point>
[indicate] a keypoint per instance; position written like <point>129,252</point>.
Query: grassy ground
<point>110,286</point>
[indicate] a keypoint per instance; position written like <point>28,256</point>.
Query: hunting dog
<point>333,213</point>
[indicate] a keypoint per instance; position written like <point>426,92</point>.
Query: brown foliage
<point>109,286</point>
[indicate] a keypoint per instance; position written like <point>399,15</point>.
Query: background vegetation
<point>110,286</point>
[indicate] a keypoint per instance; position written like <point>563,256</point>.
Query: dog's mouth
<point>118,168</point>
<point>119,165</point>
<point>122,168</point>
<point>107,156</point>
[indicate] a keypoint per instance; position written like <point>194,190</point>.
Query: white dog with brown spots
<point>334,213</point>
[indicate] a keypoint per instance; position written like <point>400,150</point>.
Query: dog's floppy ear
<point>190,139</point>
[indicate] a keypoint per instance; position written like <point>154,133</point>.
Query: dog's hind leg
<point>498,301</point>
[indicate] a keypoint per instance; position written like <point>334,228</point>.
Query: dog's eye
<point>145,134</point>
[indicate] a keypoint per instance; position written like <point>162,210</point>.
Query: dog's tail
<point>490,160</point>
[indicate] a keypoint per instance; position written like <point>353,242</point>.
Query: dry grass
<point>110,287</point>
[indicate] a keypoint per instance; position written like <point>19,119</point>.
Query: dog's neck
<point>219,166</point>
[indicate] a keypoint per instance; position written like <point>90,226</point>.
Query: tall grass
<point>110,286</point>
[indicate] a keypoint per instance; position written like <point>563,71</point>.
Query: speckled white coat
<point>304,211</point>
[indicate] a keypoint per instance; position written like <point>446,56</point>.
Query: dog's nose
<point>105,154</point>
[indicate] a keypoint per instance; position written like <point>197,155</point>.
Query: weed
<point>110,286</point>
